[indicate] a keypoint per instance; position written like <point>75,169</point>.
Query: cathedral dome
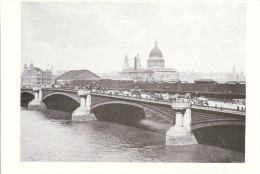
<point>156,52</point>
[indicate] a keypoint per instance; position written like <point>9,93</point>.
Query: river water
<point>45,139</point>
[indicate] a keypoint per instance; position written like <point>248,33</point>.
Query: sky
<point>203,37</point>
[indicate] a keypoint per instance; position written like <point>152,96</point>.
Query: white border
<point>10,113</point>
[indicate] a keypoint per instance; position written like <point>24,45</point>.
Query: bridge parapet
<point>202,117</point>
<point>36,88</point>
<point>176,105</point>
<point>83,92</point>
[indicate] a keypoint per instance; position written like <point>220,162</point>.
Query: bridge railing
<point>177,104</point>
<point>220,108</point>
<point>136,97</point>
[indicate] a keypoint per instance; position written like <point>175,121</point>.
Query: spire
<point>155,43</point>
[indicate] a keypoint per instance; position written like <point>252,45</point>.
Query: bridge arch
<point>151,109</point>
<point>74,97</point>
<point>26,97</point>
<point>228,134</point>
<point>30,92</point>
<point>61,101</point>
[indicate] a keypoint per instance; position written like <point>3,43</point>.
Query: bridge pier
<point>37,103</point>
<point>180,133</point>
<point>83,113</point>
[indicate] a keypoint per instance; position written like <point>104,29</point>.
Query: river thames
<point>45,139</point>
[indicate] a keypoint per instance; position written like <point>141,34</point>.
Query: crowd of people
<point>158,96</point>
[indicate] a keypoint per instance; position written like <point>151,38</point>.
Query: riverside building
<point>33,76</point>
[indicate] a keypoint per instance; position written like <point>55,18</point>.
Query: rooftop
<point>78,74</point>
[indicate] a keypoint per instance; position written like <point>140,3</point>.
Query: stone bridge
<point>85,105</point>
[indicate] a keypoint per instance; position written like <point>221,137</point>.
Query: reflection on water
<point>44,139</point>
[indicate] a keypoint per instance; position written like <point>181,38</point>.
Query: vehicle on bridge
<point>57,86</point>
<point>201,101</point>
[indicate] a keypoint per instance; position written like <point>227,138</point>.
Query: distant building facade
<point>155,70</point>
<point>33,76</point>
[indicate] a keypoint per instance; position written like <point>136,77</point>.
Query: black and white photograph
<point>134,83</point>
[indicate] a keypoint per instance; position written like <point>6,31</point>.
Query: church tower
<point>126,63</point>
